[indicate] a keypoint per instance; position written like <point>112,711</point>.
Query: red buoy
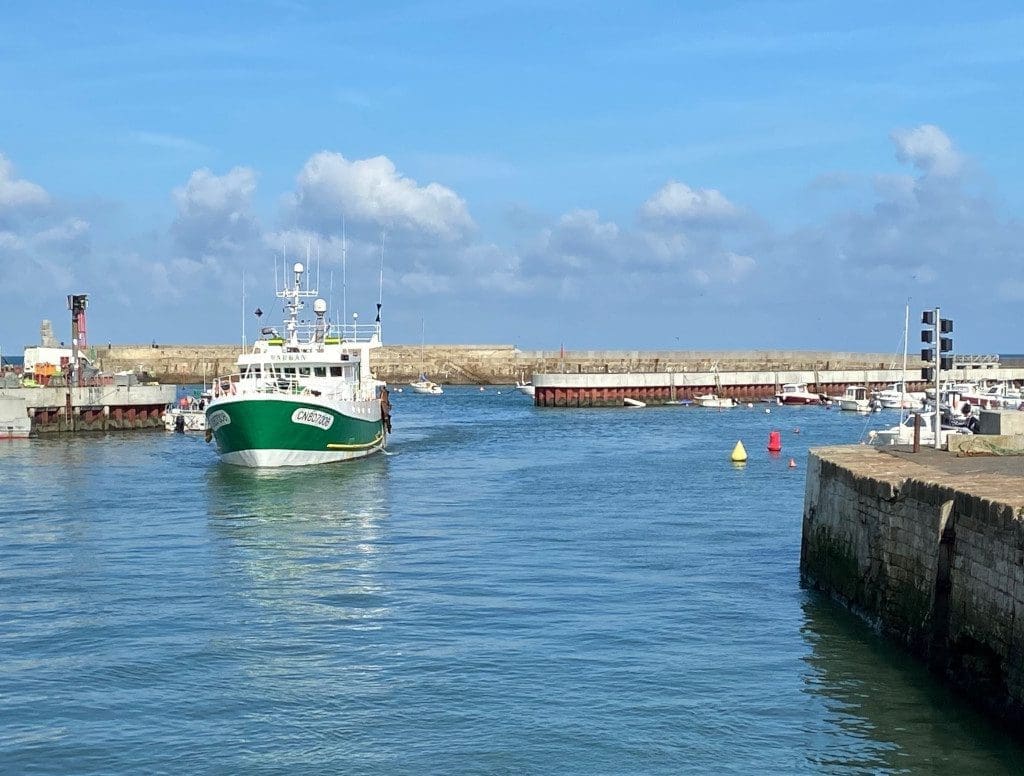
<point>775,442</point>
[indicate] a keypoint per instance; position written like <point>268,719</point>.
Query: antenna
<point>380,291</point>
<point>330,296</point>
<point>309,241</point>
<point>243,308</point>
<point>317,265</point>
<point>344,280</point>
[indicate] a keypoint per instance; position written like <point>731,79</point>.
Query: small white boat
<point>797,393</point>
<point>1000,395</point>
<point>633,403</point>
<point>714,401</point>
<point>425,386</point>
<point>854,399</point>
<point>184,419</point>
<point>525,388</point>
<point>191,411</point>
<point>897,397</point>
<point>903,434</point>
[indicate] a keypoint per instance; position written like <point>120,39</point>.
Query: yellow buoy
<point>739,453</point>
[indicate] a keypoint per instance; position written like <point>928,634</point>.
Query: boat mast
<point>344,279</point>
<point>243,309</point>
<point>903,384</point>
<point>380,287</point>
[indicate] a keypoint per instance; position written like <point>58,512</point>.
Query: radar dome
<point>298,268</point>
<point>319,306</point>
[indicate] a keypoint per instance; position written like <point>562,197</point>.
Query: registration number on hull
<point>316,418</point>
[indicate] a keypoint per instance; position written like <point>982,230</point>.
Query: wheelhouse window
<point>336,371</point>
<point>320,371</point>
<point>289,371</point>
<point>304,371</point>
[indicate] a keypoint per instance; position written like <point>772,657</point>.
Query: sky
<point>717,175</point>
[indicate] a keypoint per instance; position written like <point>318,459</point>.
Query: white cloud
<point>929,149</point>
<point>215,212</point>
<point>678,203</point>
<point>38,252</point>
<point>19,194</point>
<point>373,192</point>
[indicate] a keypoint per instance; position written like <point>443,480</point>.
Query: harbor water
<point>510,590</point>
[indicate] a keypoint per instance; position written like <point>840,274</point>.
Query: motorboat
<point>797,393</point>
<point>425,386</point>
<point>999,396</point>
<point>189,415</point>
<point>903,433</point>
<point>897,397</point>
<point>184,419</point>
<point>854,399</point>
<point>714,401</point>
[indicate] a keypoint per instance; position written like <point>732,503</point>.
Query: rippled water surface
<point>512,590</point>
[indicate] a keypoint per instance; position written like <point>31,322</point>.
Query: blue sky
<point>699,175</point>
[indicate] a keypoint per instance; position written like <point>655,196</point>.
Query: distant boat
<point>855,399</point>
<point>525,388</point>
<point>191,419</point>
<point>897,397</point>
<point>714,401</point>
<point>797,393</point>
<point>633,403</point>
<point>425,386</point>
<point>903,433</point>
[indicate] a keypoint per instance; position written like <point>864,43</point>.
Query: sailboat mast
<point>906,334</point>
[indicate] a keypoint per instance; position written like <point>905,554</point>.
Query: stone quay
<point>928,547</point>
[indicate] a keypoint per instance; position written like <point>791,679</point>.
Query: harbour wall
<point>935,561</point>
<point>499,364</point>
<point>99,408</point>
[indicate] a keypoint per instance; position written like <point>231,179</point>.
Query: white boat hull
<point>855,405</point>
<point>427,388</point>
<point>715,402</point>
<point>195,420</point>
<point>270,458</point>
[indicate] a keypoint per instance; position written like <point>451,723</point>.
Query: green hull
<point>287,432</point>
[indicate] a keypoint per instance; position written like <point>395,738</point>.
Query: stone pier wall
<point>493,364</point>
<point>936,561</point>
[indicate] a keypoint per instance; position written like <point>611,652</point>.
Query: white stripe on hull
<point>270,457</point>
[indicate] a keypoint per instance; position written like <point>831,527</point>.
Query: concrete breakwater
<point>499,364</point>
<point>929,547</point>
<point>99,408</point>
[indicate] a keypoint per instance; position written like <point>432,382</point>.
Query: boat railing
<point>332,334</point>
<point>285,385</point>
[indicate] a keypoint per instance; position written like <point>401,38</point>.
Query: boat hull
<point>195,420</point>
<point>855,405</point>
<point>270,431</point>
<point>430,389</point>
<point>798,400</point>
